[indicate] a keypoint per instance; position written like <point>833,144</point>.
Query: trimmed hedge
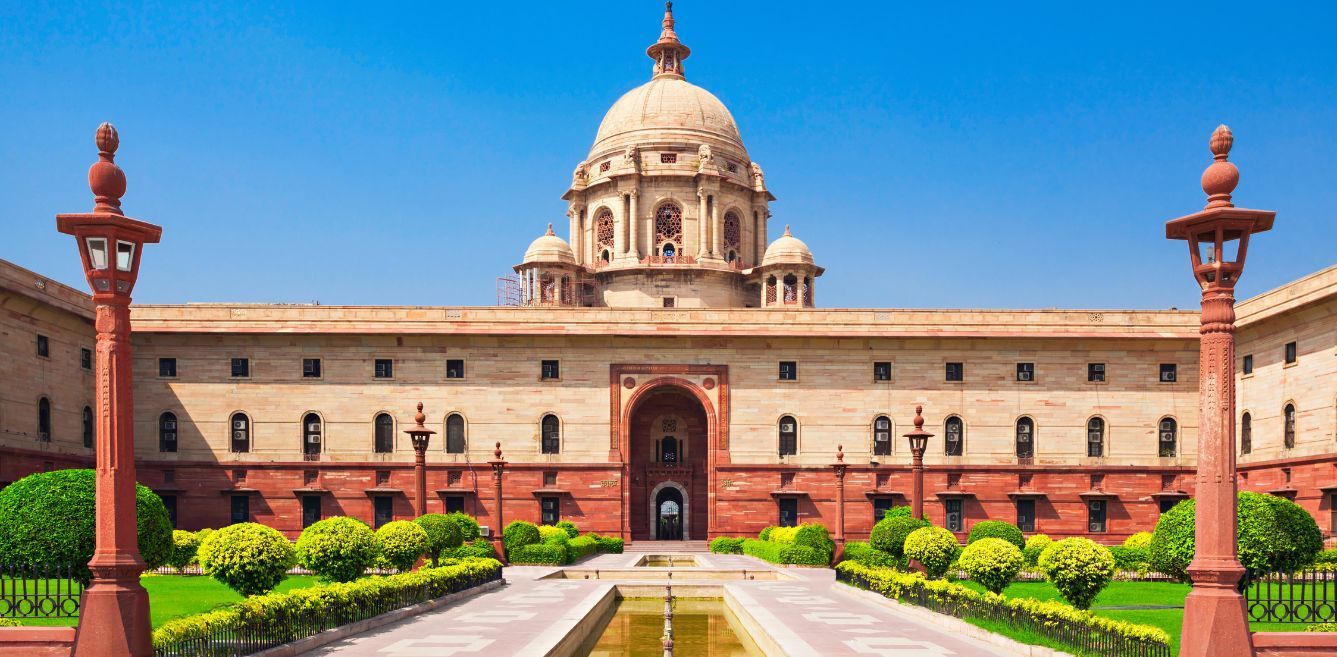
<point>331,603</point>
<point>1274,535</point>
<point>553,534</point>
<point>1130,558</point>
<point>934,548</point>
<point>1078,568</point>
<point>48,519</point>
<point>569,527</point>
<point>519,533</point>
<point>1326,557</point>
<point>862,552</point>
<point>248,557</point>
<point>1051,618</point>
<point>580,547</point>
<point>812,535</point>
<point>469,529</point>
<point>338,549</point>
<point>727,545</point>
<point>543,554</point>
<point>185,545</point>
<point>889,535</point>
<point>479,548</point>
<point>402,543</point>
<point>1140,540</point>
<point>785,553</point>
<point>996,529</point>
<point>992,562</point>
<point>1034,546</point>
<point>609,544</point>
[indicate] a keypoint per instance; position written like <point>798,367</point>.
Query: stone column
<point>716,230</point>
<point>634,243</point>
<point>701,221</point>
<point>498,467</point>
<point>620,228</point>
<point>838,468</point>
<point>573,216</point>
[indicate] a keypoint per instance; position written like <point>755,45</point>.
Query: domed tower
<point>668,209</point>
<point>787,273</point>
<point>549,275</point>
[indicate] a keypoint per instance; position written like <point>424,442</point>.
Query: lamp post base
<point>1216,623</point>
<point>114,618</point>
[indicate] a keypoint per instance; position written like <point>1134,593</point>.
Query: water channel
<point>701,628</point>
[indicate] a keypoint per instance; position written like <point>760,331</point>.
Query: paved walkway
<point>529,616</point>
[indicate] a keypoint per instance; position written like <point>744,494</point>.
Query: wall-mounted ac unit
<point>1167,437</point>
<point>239,435</point>
<point>1168,377</point>
<point>169,425</point>
<point>239,424</point>
<point>1023,376</point>
<point>313,427</point>
<point>1098,368</point>
<point>787,427</point>
<point>314,440</point>
<point>883,424</point>
<point>169,437</point>
<point>484,531</point>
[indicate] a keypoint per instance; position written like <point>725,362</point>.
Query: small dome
<point>667,108</point>
<point>550,248</point>
<point>787,250</point>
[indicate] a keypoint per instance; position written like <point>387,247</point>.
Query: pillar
<point>634,243</point>
<point>701,222</point>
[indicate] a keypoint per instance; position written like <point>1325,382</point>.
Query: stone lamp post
<point>918,445</point>
<point>114,612</point>
<point>420,436</point>
<point>838,468</point>
<point>498,467</point>
<point>1215,621</point>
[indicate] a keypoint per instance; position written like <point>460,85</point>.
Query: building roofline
<point>37,287</point>
<point>1307,290</point>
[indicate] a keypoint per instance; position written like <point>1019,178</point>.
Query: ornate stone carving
<point>581,175</point>
<point>758,178</point>
<point>707,158</point>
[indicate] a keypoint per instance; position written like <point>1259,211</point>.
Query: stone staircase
<point>668,547</point>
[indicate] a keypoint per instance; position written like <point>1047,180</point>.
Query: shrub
<point>862,552</point>
<point>546,554</point>
<point>815,535</point>
<point>1326,557</point>
<point>443,534</point>
<point>553,534</point>
<point>727,545</point>
<point>785,553</point>
<point>469,530</point>
<point>996,529</point>
<point>248,557</point>
<point>1079,568</point>
<point>48,519</point>
<point>609,544</point>
<point>992,562</point>
<point>184,546</point>
<point>479,548</point>
<point>897,512</point>
<point>934,548</point>
<point>1140,540</point>
<point>765,534</point>
<point>1275,534</point>
<point>569,527</point>
<point>1129,558</point>
<point>519,533</point>
<point>889,535</point>
<point>1322,627</point>
<point>1034,546</point>
<point>581,546</point>
<point>401,543</point>
<point>338,549</point>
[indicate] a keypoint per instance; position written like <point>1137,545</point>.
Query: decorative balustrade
<point>39,591</point>
<point>1307,596</point>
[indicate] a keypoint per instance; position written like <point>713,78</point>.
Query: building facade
<point>665,373</point>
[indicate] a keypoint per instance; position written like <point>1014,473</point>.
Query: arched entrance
<point>669,450</point>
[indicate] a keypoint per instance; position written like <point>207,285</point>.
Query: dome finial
<point>787,233</point>
<point>105,179</point>
<point>668,52</point>
<point>549,229</point>
<point>1221,176</point>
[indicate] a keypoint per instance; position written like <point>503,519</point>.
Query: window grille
<point>241,433</point>
<point>1169,434</point>
<point>455,434</point>
<point>385,434</point>
<point>955,434</point>
<point>551,434</point>
<point>788,436</point>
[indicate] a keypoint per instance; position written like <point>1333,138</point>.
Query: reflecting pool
<point>701,628</point>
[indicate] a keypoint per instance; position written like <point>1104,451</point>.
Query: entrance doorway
<point>669,511</point>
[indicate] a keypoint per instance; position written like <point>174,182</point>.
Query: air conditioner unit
<point>1095,527</point>
<point>1168,377</point>
<point>1167,437</point>
<point>883,424</point>
<point>1166,426</point>
<point>239,435</point>
<point>1098,368</point>
<point>1023,376</point>
<point>314,440</point>
<point>1024,429</point>
<point>787,427</point>
<point>239,424</point>
<point>484,531</point>
<point>313,427</point>
<point>882,437</point>
<point>169,425</point>
<point>169,437</point>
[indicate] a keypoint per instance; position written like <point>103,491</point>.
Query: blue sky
<point>931,154</point>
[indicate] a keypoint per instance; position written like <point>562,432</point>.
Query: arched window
<point>1288,426</point>
<point>546,288</point>
<point>1169,430</point>
<point>455,434</point>
<point>668,449</point>
<point>1025,438</point>
<point>770,290</point>
<point>668,229</point>
<point>733,232</point>
<point>44,420</point>
<point>882,436</point>
<point>311,434</point>
<point>1095,437</point>
<point>167,432</point>
<point>241,433</point>
<point>791,289</point>
<point>385,434</point>
<point>603,229</point>
<point>955,436</point>
<point>1246,433</point>
<point>88,426</point>
<point>788,436</point>
<point>551,437</point>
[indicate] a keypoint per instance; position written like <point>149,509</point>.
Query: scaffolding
<point>564,291</point>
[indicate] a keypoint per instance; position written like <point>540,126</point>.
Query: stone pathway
<point>528,616</point>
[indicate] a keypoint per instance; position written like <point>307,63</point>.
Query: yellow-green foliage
<point>1140,540</point>
<point>934,548</point>
<point>248,557</point>
<point>991,562</point>
<point>552,534</point>
<point>402,543</point>
<point>339,549</point>
<point>1079,568</point>
<point>1034,546</point>
<point>184,546</point>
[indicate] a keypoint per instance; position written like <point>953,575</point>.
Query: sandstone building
<point>665,373</point>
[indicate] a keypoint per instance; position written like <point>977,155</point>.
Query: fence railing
<point>39,591</point>
<point>1084,638</point>
<point>1306,596</point>
<point>248,637</point>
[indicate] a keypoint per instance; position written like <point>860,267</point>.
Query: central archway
<point>668,430</point>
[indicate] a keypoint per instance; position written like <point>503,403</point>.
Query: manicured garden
<point>528,544</point>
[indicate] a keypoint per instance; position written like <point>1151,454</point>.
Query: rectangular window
<point>383,511</point>
<point>956,371</point>
<point>169,501</point>
<point>454,504</point>
<point>668,158</point>
<point>455,368</point>
<point>955,520</point>
<point>788,511</point>
<point>86,358</point>
<point>241,508</point>
<point>385,368</point>
<point>1095,372</point>
<point>1026,514</point>
<point>241,368</point>
<point>551,508</point>
<point>670,302</point>
<point>1292,353</point>
<point>788,370</point>
<point>1025,371</point>
<point>167,367</point>
<point>882,371</point>
<point>550,370</point>
<point>310,510</point>
<point>1169,372</point>
<point>881,505</point>
<point>1095,515</point>
<point>311,368</point>
<point>549,478</point>
<point>43,346</point>
<point>1248,364</point>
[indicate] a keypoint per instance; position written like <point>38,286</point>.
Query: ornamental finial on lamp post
<point>1221,176</point>
<point>105,178</point>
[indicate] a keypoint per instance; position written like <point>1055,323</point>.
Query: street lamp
<point>114,612</point>
<point>1215,621</point>
<point>420,436</point>
<point>918,444</point>
<point>839,468</point>
<point>498,468</point>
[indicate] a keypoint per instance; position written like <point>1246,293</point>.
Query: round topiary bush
<point>1140,540</point>
<point>443,534</point>
<point>991,562</point>
<point>889,535</point>
<point>934,548</point>
<point>248,557</point>
<point>184,546</point>
<point>1034,546</point>
<point>48,519</point>
<point>469,529</point>
<point>1275,534</point>
<point>553,534</point>
<point>765,534</point>
<point>1079,568</point>
<point>996,529</point>
<point>401,544</point>
<point>338,549</point>
<point>897,512</point>
<point>570,528</point>
<point>518,534</point>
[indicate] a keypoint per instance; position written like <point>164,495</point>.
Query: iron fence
<point>1305,596</point>
<point>249,636</point>
<point>39,591</point>
<point>1084,639</point>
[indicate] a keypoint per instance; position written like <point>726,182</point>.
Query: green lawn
<point>171,596</point>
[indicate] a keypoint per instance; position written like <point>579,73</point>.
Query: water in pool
<point>701,628</point>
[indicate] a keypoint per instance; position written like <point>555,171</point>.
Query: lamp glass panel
<point>1207,247</point>
<point>1230,249</point>
<point>97,252</point>
<point>125,255</point>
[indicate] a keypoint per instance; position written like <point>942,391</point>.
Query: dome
<point>667,108</point>
<point>787,250</point>
<point>549,248</point>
